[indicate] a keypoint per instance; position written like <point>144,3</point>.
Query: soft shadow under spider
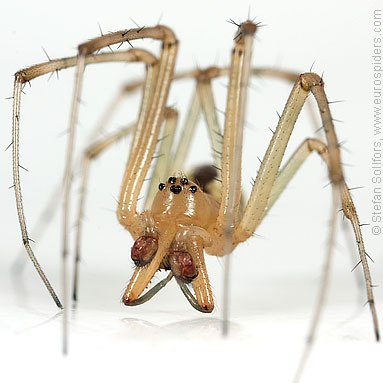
<point>188,328</point>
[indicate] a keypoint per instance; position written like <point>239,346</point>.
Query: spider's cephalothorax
<point>176,230</point>
<point>181,202</point>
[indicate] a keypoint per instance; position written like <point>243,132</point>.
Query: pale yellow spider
<point>184,221</point>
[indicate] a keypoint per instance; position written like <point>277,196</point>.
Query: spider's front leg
<point>140,158</point>
<point>239,75</point>
<point>27,75</point>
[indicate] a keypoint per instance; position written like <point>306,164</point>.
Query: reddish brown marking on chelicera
<point>143,250</point>
<point>182,265</point>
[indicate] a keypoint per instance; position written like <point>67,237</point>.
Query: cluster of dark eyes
<point>176,189</point>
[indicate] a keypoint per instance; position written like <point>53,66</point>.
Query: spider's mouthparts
<point>144,249</point>
<point>182,265</point>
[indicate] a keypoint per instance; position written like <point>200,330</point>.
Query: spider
<point>188,215</point>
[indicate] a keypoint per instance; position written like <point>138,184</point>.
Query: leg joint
<point>308,80</point>
<point>317,145</point>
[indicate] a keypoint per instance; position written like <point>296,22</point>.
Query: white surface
<point>274,281</point>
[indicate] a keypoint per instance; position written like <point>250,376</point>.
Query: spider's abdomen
<point>182,202</point>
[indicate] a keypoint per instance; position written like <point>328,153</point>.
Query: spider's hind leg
<point>348,207</point>
<point>267,182</point>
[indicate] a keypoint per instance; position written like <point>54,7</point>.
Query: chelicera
<point>188,215</point>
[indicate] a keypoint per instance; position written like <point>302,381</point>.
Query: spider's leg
<point>232,142</point>
<point>284,177</point>
<point>214,129</point>
<point>90,154</point>
<point>49,211</point>
<point>203,97</point>
<point>270,165</point>
<point>202,100</point>
<point>22,77</point>
<point>85,57</point>
<point>97,148</point>
<point>260,195</point>
<point>140,158</point>
<point>289,76</point>
<point>188,129</point>
<point>275,73</point>
<point>16,180</point>
<point>158,33</point>
<point>170,164</point>
<point>232,152</point>
<point>210,113</point>
<point>145,140</point>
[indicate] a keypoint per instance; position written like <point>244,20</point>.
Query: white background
<point>275,275</point>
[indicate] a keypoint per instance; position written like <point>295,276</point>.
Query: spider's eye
<point>184,181</point>
<point>193,189</point>
<point>172,180</point>
<point>161,186</point>
<point>175,189</point>
<point>143,250</point>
